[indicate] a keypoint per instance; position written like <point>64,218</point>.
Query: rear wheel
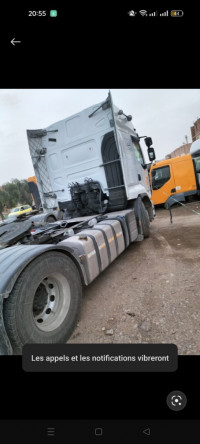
<point>45,302</point>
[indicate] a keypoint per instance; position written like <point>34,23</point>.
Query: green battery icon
<point>53,13</point>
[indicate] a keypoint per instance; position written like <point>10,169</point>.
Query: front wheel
<point>145,221</point>
<point>45,302</point>
<point>51,219</point>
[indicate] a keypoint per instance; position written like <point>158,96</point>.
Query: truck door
<point>162,184</point>
<point>135,173</point>
<point>142,172</point>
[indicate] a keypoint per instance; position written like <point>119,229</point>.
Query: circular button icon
<point>176,400</point>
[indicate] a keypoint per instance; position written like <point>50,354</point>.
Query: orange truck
<point>175,179</point>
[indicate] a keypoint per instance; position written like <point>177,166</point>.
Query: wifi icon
<point>143,12</point>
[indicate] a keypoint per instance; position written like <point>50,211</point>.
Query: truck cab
<point>173,180</point>
<point>91,162</point>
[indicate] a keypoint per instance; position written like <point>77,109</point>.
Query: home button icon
<point>98,431</point>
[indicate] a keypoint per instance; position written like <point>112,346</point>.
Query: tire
<point>51,219</point>
<point>45,302</point>
<point>145,221</point>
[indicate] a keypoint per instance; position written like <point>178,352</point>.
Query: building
<point>195,130</point>
<point>185,148</point>
<point>181,151</point>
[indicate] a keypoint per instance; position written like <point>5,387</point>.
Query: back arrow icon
<point>147,432</point>
<point>13,41</point>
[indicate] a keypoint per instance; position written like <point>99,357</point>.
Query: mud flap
<point>180,197</point>
<point>5,346</point>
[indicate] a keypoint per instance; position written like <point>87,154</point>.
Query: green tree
<point>25,195</point>
<point>13,194</point>
<point>4,197</point>
<point>23,189</point>
<point>17,193</point>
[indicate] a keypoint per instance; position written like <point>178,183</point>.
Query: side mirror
<point>148,141</point>
<point>151,154</point>
<point>120,112</point>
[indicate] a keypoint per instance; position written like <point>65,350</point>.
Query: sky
<point>165,115</point>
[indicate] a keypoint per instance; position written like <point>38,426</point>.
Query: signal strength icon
<point>153,14</point>
<point>164,14</point>
<point>143,12</point>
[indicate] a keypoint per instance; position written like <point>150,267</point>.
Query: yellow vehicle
<point>20,210</point>
<point>174,179</point>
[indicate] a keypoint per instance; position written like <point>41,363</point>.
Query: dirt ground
<point>150,294</point>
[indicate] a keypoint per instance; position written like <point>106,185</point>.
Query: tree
<point>17,192</point>
<point>13,194</point>
<point>23,189</point>
<point>4,197</point>
<point>25,195</point>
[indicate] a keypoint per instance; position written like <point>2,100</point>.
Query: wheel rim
<point>51,302</point>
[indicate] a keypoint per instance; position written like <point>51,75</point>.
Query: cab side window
<point>160,176</point>
<point>137,150</point>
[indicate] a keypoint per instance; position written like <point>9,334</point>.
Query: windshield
<point>197,164</point>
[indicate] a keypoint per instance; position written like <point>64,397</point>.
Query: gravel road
<point>150,294</point>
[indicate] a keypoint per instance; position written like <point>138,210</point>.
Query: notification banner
<point>100,358</point>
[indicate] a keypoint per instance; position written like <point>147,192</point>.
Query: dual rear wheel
<point>45,302</point>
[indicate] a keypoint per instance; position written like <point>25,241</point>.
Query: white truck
<point>91,166</point>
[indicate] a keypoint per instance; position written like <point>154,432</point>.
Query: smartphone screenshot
<point>99,224</point>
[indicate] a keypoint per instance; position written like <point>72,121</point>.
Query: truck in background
<point>174,180</point>
<point>195,153</point>
<point>33,188</point>
<point>92,166</point>
<point>44,215</point>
